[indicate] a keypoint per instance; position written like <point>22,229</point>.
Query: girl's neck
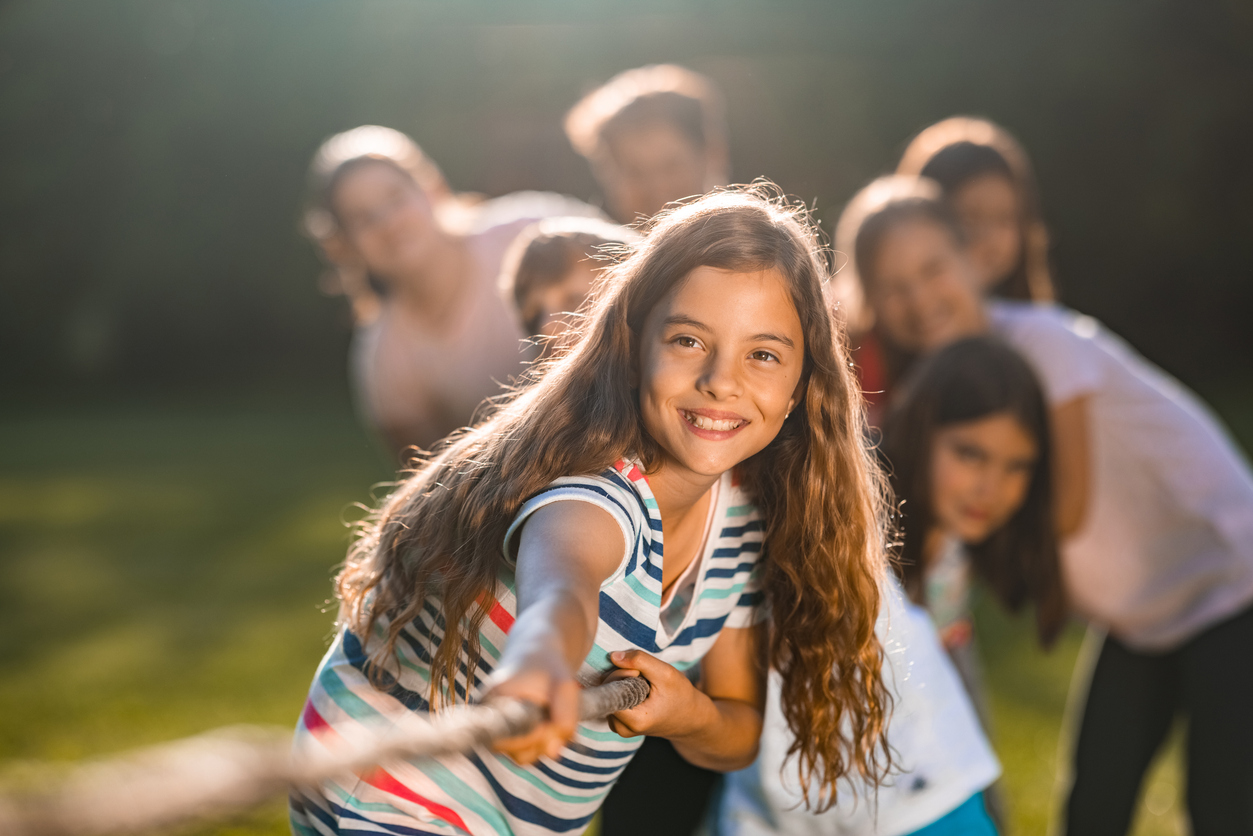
<point>433,290</point>
<point>678,492</point>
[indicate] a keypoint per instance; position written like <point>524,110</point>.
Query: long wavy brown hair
<point>438,537</point>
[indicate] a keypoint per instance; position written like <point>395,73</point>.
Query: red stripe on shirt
<point>385,781</point>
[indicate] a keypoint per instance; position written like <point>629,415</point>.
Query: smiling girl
<point>697,458</point>
<point>1154,505</point>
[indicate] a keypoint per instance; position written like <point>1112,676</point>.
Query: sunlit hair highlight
<point>438,538</point>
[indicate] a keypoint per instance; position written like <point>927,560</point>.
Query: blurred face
<point>720,366</point>
<point>991,215</point>
<point>981,472</point>
<point>386,218</point>
<point>651,166</point>
<point>549,307</point>
<point>922,288</point>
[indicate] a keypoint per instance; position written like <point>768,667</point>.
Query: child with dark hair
<point>967,445</point>
<point>552,268</point>
<point>653,135</point>
<point>1153,505</point>
<point>696,460</point>
<point>987,178</point>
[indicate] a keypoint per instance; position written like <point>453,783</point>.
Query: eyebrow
<point>680,319</point>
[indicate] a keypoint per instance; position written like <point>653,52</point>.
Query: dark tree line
<point>154,152</point>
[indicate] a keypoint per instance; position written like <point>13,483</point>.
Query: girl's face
<point>386,218</point>
<point>720,366</point>
<point>922,288</point>
<point>991,214</point>
<point>980,473</point>
<point>648,167</point>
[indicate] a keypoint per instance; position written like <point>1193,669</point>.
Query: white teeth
<point>701,422</point>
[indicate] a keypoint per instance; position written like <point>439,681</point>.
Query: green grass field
<point>166,571</point>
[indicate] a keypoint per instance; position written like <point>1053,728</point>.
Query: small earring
<point>787,415</point>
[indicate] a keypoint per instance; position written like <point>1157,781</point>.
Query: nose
<point>991,483</point>
<point>720,378</point>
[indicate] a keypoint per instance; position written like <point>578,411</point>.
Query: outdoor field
<point>167,571</point>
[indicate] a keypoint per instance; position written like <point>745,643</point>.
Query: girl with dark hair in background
<point>708,404</point>
<point>987,179</point>
<point>434,336</point>
<point>967,444</point>
<point>1154,507</point>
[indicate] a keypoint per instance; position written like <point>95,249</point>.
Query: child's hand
<point>673,707</point>
<point>542,677</point>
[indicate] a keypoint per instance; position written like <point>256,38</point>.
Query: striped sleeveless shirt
<point>487,793</point>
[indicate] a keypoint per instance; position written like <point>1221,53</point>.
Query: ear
<point>798,394</point>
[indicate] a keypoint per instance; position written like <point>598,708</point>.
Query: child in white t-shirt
<point>944,758</point>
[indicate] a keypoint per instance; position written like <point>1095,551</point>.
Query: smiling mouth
<point>702,422</point>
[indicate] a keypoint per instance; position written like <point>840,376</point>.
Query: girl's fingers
<point>621,673</point>
<point>652,668</point>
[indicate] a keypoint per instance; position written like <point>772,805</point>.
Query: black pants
<point>659,794</point>
<point>1131,703</point>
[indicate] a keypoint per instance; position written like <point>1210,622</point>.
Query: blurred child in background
<point>967,445</point>
<point>440,338</point>
<point>944,760</point>
<point>987,178</point>
<point>652,135</point>
<point>552,268</point>
<point>1154,505</point>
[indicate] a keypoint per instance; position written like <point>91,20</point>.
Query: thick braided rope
<point>228,770</point>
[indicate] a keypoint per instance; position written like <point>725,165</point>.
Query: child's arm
<point>717,726</point>
<point>566,551</point>
<point>1071,463</point>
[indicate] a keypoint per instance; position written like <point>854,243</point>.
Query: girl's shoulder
<point>1042,319</point>
<point>1067,350</point>
<point>621,490</point>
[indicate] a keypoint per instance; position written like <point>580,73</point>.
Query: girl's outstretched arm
<point>1071,463</point>
<point>566,551</point>
<point>716,726</point>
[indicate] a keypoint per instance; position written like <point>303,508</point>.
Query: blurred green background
<point>177,448</point>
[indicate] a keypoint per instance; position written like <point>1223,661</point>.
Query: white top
<point>418,384</point>
<point>1166,546</point>
<point>939,745</point>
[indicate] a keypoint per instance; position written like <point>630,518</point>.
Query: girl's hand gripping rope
<point>716,726</point>
<point>540,676</point>
<point>673,707</point>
